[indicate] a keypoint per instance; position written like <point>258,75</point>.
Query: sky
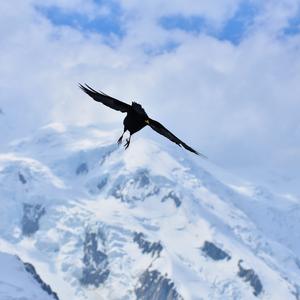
<point>222,75</point>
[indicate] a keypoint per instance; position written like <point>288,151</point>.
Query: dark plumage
<point>136,118</point>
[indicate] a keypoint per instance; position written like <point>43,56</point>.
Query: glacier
<point>152,222</point>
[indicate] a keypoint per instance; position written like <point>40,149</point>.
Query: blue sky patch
<point>233,29</point>
<point>194,24</point>
<point>168,47</point>
<point>104,24</point>
<point>236,27</point>
<point>294,26</point>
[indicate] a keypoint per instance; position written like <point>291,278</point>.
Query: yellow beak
<point>147,121</point>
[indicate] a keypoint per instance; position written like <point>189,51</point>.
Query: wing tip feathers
<point>88,89</point>
<point>193,151</point>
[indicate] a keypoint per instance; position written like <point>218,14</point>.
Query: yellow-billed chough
<point>136,118</point>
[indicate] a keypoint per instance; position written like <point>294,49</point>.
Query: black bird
<point>136,118</point>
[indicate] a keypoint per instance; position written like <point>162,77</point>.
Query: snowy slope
<point>20,281</point>
<point>98,222</point>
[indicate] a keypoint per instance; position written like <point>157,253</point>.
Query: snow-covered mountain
<point>96,222</point>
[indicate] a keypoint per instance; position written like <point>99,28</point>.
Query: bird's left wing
<point>169,135</point>
<point>105,99</point>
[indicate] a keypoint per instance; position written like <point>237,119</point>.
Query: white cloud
<point>276,14</point>
<point>237,104</point>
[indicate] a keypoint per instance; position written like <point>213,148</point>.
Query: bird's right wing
<point>169,135</point>
<point>105,99</point>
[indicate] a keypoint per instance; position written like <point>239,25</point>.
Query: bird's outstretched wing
<point>105,99</point>
<point>169,135</point>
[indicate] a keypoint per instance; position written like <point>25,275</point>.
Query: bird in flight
<point>136,118</point>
